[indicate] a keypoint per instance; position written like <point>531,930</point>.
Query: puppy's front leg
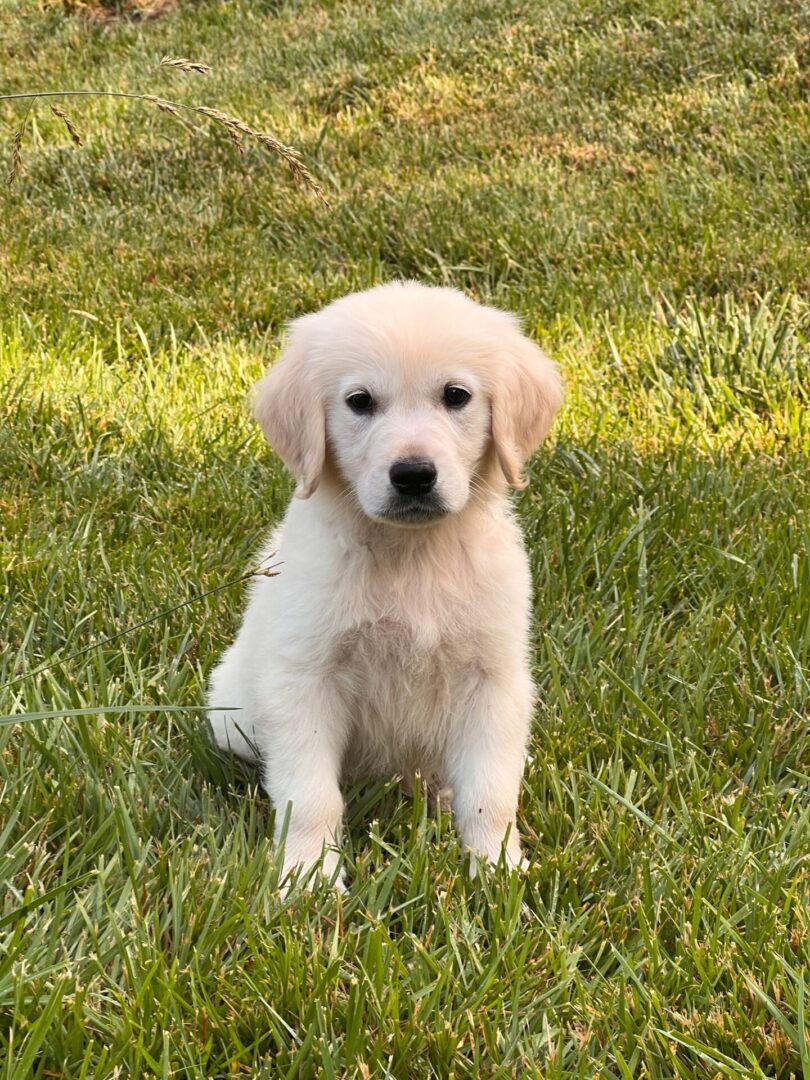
<point>485,765</point>
<point>302,746</point>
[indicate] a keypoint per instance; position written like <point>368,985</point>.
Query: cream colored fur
<point>386,647</point>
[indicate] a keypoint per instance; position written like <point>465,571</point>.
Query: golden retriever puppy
<point>396,636</point>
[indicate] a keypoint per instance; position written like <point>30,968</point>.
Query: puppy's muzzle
<point>413,477</point>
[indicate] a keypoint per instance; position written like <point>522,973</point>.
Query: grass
<point>632,179</point>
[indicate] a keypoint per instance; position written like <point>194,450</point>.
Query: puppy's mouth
<point>413,510</point>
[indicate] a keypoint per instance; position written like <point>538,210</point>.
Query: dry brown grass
<point>73,131</point>
<point>182,63</point>
<point>16,154</point>
<point>102,11</point>
<point>237,128</point>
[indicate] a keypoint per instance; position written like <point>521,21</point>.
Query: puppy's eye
<point>360,402</point>
<point>456,397</point>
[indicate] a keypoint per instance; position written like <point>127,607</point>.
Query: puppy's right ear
<point>290,411</point>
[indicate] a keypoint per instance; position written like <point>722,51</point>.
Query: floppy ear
<point>526,395</point>
<point>290,412</point>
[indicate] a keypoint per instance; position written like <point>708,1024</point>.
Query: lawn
<point>632,179</point>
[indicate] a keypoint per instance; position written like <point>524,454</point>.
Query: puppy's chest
<point>405,642</point>
<point>387,646</point>
<point>413,617</point>
<point>399,688</point>
<point>414,623</point>
<point>409,641</point>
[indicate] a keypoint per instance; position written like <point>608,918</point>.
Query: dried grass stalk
<point>165,106</point>
<point>185,64</point>
<point>73,131</point>
<point>236,139</point>
<point>237,128</point>
<point>16,155</point>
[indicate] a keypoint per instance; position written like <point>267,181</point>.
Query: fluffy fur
<point>395,637</point>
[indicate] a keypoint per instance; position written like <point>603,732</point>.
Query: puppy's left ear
<point>526,395</point>
<point>289,408</point>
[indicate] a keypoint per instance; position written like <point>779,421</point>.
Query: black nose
<point>413,476</point>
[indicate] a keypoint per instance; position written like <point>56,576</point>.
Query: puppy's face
<point>406,388</point>
<point>407,438</point>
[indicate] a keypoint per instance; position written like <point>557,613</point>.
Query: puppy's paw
<point>479,861</point>
<point>310,873</point>
<point>490,855</point>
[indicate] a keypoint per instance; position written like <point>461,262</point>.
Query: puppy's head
<point>410,391</point>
